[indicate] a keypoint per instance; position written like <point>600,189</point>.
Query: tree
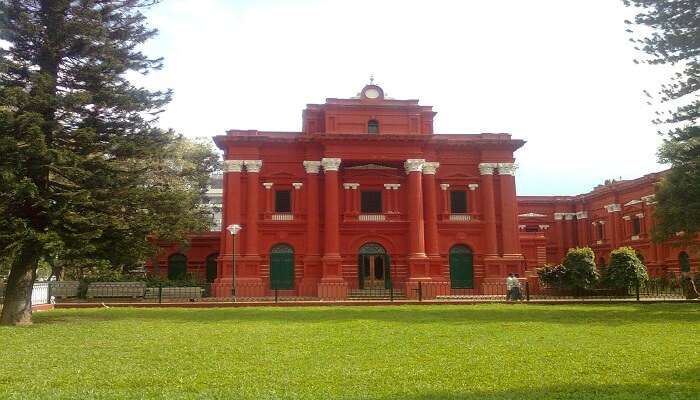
<point>669,33</point>
<point>85,174</point>
<point>580,268</point>
<point>625,270</point>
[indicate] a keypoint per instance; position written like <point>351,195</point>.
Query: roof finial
<point>371,79</point>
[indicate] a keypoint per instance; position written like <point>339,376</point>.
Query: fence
<point>40,293</point>
<point>651,290</point>
<point>141,292</point>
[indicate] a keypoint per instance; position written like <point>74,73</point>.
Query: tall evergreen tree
<point>668,31</point>
<point>84,170</point>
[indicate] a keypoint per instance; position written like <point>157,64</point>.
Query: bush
<point>624,269</point>
<point>577,271</point>
<point>579,267</point>
<point>552,276</point>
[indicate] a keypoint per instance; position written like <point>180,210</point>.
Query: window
<point>601,231</point>
<point>636,226</point>
<point>371,202</point>
<point>458,202</point>
<point>373,126</point>
<point>283,201</point>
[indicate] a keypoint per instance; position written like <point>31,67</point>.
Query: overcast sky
<point>556,73</point>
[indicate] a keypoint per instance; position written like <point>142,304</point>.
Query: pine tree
<point>84,169</point>
<point>669,34</point>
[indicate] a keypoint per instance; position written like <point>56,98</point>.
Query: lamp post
<point>233,229</point>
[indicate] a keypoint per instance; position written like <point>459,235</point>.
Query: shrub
<point>552,276</point>
<point>624,269</point>
<point>579,268</point>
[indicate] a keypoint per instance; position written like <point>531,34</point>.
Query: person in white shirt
<point>511,282</point>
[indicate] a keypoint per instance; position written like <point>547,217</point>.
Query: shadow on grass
<point>569,314</point>
<point>676,391</point>
<point>673,390</point>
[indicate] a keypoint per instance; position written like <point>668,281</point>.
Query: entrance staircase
<point>376,294</point>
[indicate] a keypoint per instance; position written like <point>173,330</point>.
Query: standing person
<point>510,281</point>
<point>517,293</point>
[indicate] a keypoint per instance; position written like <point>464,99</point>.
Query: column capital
<point>473,186</point>
<point>507,168</point>
<point>581,214</point>
<point>640,215</point>
<point>233,165</point>
<point>444,186</point>
<point>392,186</point>
<point>626,217</point>
<point>297,185</point>
<point>414,165</point>
<point>312,167</point>
<point>649,200</point>
<point>351,185</point>
<point>430,168</point>
<point>569,216</point>
<point>487,168</point>
<point>253,165</point>
<point>558,216</point>
<point>613,207</point>
<point>268,185</point>
<point>330,164</point>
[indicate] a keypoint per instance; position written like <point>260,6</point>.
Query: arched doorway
<point>177,266</point>
<point>684,261</point>
<point>282,267</point>
<point>374,267</point>
<point>211,267</point>
<point>461,267</point>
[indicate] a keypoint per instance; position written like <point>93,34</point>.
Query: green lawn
<point>493,351</point>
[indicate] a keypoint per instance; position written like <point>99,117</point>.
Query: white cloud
<point>557,74</point>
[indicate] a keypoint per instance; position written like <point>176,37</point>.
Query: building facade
<point>367,197</point>
<point>610,216</point>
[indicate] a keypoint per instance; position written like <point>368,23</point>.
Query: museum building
<point>368,197</point>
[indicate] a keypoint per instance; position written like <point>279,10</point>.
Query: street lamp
<point>233,229</point>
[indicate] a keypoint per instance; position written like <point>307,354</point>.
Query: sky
<point>556,73</point>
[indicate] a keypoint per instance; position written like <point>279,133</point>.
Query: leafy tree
<point>85,174</point>
<point>580,269</point>
<point>669,33</point>
<point>625,270</point>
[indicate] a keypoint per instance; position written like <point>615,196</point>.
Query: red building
<point>367,196</point>
<point>610,216</point>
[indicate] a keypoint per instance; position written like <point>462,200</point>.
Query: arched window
<point>461,267</point>
<point>372,248</point>
<point>373,126</point>
<point>282,267</point>
<point>374,267</point>
<point>684,261</point>
<point>211,267</point>
<point>177,266</point>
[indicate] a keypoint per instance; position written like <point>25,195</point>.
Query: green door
<point>684,261</point>
<point>282,267</point>
<point>461,268</point>
<point>211,267</point>
<point>177,267</point>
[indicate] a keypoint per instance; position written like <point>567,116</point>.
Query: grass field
<point>403,352</point>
